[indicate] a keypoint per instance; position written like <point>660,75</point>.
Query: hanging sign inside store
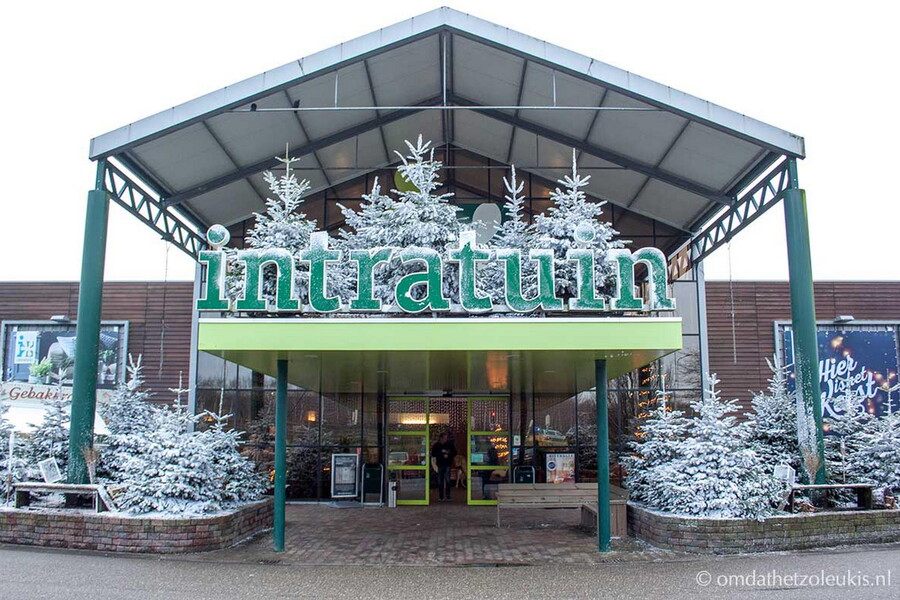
<point>419,279</point>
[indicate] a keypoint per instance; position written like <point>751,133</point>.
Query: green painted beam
<point>87,341</point>
<point>447,334</point>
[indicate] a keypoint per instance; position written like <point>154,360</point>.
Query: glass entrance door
<point>408,446</point>
<point>488,441</point>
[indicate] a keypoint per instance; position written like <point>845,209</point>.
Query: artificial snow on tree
<point>513,233</point>
<point>658,443</point>
<point>12,468</point>
<point>717,474</point>
<point>556,229</point>
<point>161,465</point>
<point>845,428</point>
<point>773,422</point>
<point>282,225</point>
<point>50,439</point>
<point>702,466</point>
<point>421,219</point>
<point>369,229</point>
<point>233,478</point>
<point>129,418</point>
<point>875,455</point>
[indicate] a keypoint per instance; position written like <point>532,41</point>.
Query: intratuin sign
<point>422,290</point>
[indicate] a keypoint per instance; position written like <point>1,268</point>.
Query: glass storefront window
<point>407,450</point>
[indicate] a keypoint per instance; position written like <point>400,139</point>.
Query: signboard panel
<point>344,475</point>
<point>863,358</point>
<point>27,343</point>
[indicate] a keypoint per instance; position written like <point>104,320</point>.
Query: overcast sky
<point>74,70</point>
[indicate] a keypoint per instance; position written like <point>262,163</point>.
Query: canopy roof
<point>457,80</point>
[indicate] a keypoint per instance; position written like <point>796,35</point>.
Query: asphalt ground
<point>849,573</point>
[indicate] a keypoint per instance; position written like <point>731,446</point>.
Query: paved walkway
<point>440,534</point>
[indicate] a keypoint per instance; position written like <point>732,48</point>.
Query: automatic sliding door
<point>488,440</point>
<point>408,444</point>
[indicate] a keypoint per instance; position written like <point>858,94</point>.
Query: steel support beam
<point>280,454</point>
<point>604,527</point>
<point>803,321</point>
<point>628,163</point>
<point>139,202</point>
<point>87,331</point>
<point>302,150</point>
<point>752,205</point>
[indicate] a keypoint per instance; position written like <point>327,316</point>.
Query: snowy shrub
<point>162,466</point>
<point>704,465</point>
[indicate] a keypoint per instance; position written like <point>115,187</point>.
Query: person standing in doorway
<point>442,454</point>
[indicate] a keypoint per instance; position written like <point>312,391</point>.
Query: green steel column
<point>280,453</point>
<point>803,310</point>
<point>87,340</point>
<point>604,530</point>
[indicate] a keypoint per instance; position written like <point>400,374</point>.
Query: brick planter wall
<point>788,532</point>
<point>78,529</point>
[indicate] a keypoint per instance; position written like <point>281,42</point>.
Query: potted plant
<point>40,371</point>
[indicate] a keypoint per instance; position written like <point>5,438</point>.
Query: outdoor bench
<point>100,499</point>
<point>582,496</point>
<point>863,493</point>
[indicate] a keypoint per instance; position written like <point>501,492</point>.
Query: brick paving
<point>439,534</point>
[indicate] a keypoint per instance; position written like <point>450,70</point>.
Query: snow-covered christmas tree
<point>282,225</point>
<point>656,446</point>
<point>50,439</point>
<point>773,422</point>
<point>711,472</point>
<point>874,456</point>
<point>129,417</point>
<point>12,468</point>
<point>556,229</point>
<point>845,427</point>
<point>515,233</point>
<point>161,465</point>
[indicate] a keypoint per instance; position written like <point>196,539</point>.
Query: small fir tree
<point>875,457</point>
<point>514,233</point>
<point>129,417</point>
<point>370,228</point>
<point>556,230</point>
<point>845,427</point>
<point>282,225</point>
<point>657,444</point>
<point>12,468</point>
<point>716,474</point>
<point>50,439</point>
<point>773,422</point>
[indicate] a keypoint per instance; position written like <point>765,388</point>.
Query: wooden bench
<point>863,493</point>
<point>582,496</point>
<point>100,498</point>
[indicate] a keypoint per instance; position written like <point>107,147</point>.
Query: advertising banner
<point>863,360</point>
